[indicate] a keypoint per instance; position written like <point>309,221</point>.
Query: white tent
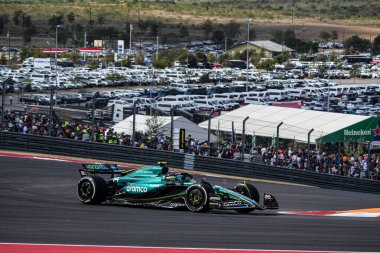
<point>263,120</point>
<point>191,128</point>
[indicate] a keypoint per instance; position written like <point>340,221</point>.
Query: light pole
<point>56,58</point>
<point>157,50</point>
<point>9,48</point>
<point>328,85</point>
<point>248,22</point>
<point>85,45</point>
<point>130,39</point>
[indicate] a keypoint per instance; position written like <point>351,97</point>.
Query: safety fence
<point>117,153</point>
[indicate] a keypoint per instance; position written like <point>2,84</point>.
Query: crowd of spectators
<point>38,124</point>
<point>343,164</point>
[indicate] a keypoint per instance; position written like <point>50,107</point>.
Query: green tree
<point>184,31</point>
<point>74,57</point>
<point>211,58</point>
<point>188,59</point>
<point>139,59</point>
<point>26,21</point>
<point>278,36</point>
<point>31,52</point>
<point>16,17</point>
<point>355,44</point>
<point>63,36</point>
<point>155,125</point>
<point>224,59</point>
<point>325,36</point>
<point>283,57</point>
<point>218,37</point>
<point>162,62</point>
<point>334,35</point>
<point>93,64</point>
<point>114,77</point>
<point>268,65</point>
<point>3,60</point>
<point>28,33</point>
<point>109,58</point>
<point>252,34</point>
<point>205,78</point>
<point>376,45</point>
<point>55,20</point>
<point>3,22</point>
<point>207,27</point>
<point>231,29</point>
<point>155,28</point>
<point>143,25</point>
<point>71,17</point>
<point>101,19</point>
<point>126,62</point>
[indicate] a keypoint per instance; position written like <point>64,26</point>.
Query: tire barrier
<point>74,148</point>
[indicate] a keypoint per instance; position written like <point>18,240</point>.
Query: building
<point>269,48</point>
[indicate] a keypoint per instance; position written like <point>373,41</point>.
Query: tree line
<point>71,33</point>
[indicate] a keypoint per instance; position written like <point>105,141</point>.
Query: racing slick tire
<point>249,191</point>
<point>197,198</point>
<point>92,190</point>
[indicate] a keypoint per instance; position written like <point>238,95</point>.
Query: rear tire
<point>197,198</point>
<point>92,190</point>
<point>249,191</point>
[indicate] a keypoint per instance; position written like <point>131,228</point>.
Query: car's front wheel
<point>249,191</point>
<point>197,198</point>
<point>92,190</point>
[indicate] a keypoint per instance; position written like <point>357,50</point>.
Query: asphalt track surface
<point>38,204</point>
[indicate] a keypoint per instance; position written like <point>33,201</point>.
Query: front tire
<point>197,198</point>
<point>92,190</point>
<point>249,191</point>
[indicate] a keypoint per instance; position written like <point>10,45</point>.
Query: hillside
<point>186,18</point>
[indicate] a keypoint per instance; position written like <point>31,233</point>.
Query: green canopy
<point>361,131</point>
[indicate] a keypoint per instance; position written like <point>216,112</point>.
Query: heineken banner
<point>366,130</point>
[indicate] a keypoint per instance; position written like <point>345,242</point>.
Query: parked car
<point>37,99</point>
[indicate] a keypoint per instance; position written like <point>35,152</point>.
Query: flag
<point>254,139</point>
<point>273,141</point>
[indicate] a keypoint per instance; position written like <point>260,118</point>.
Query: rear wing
<point>93,169</point>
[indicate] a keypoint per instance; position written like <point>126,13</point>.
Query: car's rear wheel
<point>92,190</point>
<point>249,191</point>
<point>197,198</point>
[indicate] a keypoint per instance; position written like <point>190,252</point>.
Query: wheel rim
<point>195,197</point>
<point>86,190</point>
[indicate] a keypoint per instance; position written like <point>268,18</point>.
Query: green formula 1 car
<point>155,186</point>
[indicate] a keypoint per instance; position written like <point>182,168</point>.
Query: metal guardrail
<point>246,169</point>
<point>68,147</point>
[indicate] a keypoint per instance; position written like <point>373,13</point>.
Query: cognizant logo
<point>357,132</point>
<point>133,188</point>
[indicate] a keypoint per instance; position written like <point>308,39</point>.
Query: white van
<point>257,94</point>
<point>297,93</point>
<point>181,86</point>
<point>173,99</point>
<point>236,96</point>
<point>39,77</point>
<point>208,104</point>
<point>223,96</point>
<point>335,91</point>
<point>256,101</point>
<point>164,106</point>
<point>277,95</point>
